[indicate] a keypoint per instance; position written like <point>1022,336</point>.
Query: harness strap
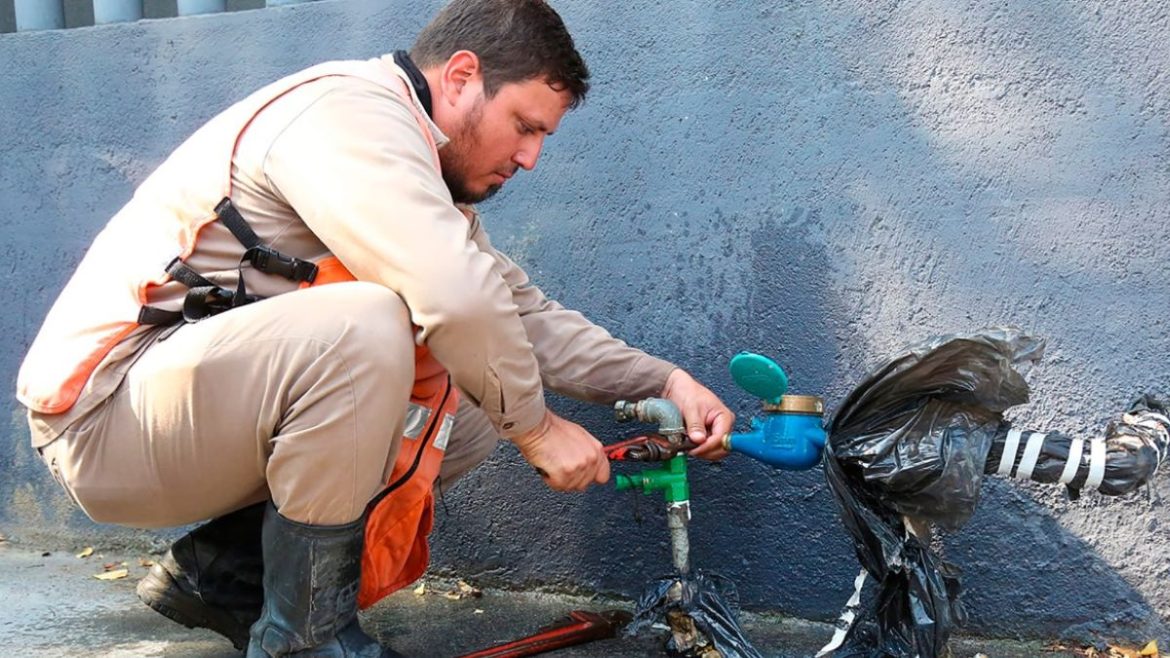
<point>205,298</point>
<point>152,315</point>
<point>180,272</point>
<point>261,256</point>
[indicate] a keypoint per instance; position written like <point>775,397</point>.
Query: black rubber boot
<point>212,577</point>
<point>311,581</point>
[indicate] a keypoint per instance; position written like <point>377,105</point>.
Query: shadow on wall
<point>1011,526</point>
<point>749,522</point>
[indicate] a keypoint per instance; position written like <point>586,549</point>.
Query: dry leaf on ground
<point>86,552</point>
<point>1113,651</point>
<point>112,575</point>
<point>462,591</point>
<point>421,589</point>
<point>1148,651</point>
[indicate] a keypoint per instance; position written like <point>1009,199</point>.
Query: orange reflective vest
<point>401,517</point>
<point>69,348</point>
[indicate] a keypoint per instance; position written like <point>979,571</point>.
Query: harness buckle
<point>266,259</point>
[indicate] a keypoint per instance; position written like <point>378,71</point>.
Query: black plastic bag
<point>706,603</point>
<point>909,593</point>
<point>912,441</point>
<point>918,430</point>
<point>911,445</point>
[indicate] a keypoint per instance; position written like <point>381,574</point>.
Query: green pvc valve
<point>672,480</point>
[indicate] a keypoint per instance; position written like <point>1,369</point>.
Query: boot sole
<point>157,590</point>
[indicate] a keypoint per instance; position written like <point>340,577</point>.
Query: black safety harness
<point>205,298</point>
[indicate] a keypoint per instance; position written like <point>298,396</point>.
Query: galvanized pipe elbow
<point>652,410</point>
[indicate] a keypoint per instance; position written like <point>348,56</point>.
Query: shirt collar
<point>440,138</point>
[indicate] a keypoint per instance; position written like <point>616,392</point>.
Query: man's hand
<point>567,456</point>
<point>706,417</point>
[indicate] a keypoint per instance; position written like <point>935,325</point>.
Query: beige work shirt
<point>339,166</point>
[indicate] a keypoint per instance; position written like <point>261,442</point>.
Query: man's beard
<point>454,157</point>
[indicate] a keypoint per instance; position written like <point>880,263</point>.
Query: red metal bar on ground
<point>582,626</point>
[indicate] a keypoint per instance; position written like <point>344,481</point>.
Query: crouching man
<point>297,326</point>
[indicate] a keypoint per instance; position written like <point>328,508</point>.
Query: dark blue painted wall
<point>818,181</point>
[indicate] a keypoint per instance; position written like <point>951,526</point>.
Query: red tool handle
<point>647,448</point>
<point>581,627</point>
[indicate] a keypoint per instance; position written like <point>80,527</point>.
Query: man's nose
<point>529,153</point>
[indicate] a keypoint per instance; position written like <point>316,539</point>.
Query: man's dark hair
<point>515,40</point>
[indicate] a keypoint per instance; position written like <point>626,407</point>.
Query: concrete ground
<point>51,606</point>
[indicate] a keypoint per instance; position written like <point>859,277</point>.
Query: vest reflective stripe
<point>416,420</point>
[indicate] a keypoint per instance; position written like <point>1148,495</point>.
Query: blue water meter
<point>789,433</point>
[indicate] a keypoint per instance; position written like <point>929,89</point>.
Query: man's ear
<point>459,73</point>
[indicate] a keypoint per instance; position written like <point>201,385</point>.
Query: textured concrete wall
<point>80,13</point>
<point>818,181</point>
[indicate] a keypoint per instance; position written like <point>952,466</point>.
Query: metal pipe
<point>116,11</point>
<point>654,410</point>
<point>39,15</point>
<point>192,7</point>
<point>672,482</point>
<point>678,516</point>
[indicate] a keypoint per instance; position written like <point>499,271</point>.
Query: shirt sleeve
<point>357,170</point>
<point>577,358</point>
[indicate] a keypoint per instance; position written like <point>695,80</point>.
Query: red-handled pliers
<point>645,448</point>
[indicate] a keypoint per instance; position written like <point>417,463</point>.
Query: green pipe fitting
<point>672,480</point>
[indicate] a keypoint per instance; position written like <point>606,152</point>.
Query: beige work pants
<point>300,398</point>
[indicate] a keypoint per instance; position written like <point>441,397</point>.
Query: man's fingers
<point>588,467</point>
<point>577,479</point>
<point>696,427</point>
<point>711,449</point>
<point>720,421</point>
<point>603,471</point>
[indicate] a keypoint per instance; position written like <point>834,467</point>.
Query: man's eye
<point>525,129</point>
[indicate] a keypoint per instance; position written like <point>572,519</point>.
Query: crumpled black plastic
<point>910,594</point>
<point>709,599</point>
<point>912,440</point>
